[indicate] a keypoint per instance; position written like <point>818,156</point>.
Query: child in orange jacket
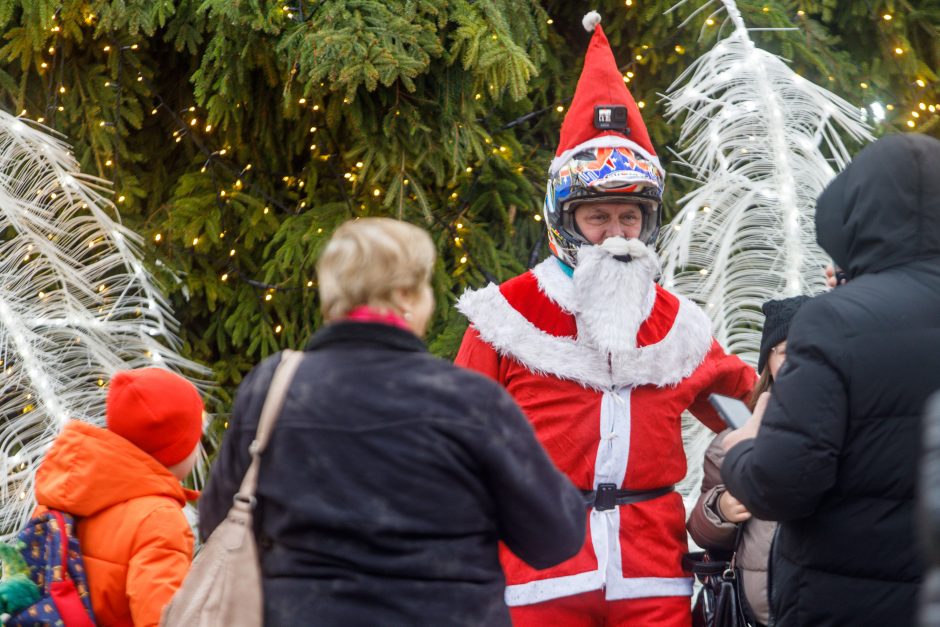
<point>123,486</point>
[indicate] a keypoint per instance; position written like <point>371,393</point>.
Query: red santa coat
<point>604,420</point>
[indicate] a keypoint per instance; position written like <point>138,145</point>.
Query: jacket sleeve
<point>705,525</point>
<point>784,472</point>
<point>728,376</point>
<point>540,514</point>
<point>477,355</point>
<point>233,457</point>
<point>160,559</point>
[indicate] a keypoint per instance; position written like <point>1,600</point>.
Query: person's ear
<point>403,301</point>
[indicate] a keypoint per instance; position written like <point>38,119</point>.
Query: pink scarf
<point>364,313</point>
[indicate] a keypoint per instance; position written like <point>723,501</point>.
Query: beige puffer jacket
<point>711,531</point>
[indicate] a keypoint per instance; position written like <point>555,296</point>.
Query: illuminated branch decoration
<point>761,142</point>
<point>77,304</point>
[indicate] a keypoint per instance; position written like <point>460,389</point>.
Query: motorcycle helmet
<point>600,174</point>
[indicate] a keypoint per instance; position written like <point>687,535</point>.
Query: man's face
<point>599,220</point>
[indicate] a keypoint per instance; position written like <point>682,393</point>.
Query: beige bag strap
<point>273,402</point>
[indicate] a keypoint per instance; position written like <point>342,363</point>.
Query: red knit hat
<point>601,83</point>
<point>156,410</point>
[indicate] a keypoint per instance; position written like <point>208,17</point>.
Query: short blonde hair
<point>370,259</point>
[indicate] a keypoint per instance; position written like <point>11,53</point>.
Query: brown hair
<point>763,384</point>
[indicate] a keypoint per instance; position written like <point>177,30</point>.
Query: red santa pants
<point>590,609</point>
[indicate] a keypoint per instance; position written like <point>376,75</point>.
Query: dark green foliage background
<point>450,107</point>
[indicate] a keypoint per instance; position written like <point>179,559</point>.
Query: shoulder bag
<point>224,585</point>
<point>720,602</point>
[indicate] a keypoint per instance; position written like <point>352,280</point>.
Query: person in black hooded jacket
<point>835,453</point>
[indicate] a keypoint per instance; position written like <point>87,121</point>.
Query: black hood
<point>884,209</point>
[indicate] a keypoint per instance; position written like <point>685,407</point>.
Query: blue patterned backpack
<point>52,561</point>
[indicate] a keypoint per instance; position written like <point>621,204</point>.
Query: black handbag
<point>720,602</point>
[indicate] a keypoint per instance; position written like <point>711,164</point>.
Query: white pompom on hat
<point>591,20</point>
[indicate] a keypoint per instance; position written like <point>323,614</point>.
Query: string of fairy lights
<point>188,125</point>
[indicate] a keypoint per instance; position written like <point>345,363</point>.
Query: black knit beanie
<point>777,317</point>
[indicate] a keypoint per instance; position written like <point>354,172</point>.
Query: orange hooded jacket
<point>135,540</point>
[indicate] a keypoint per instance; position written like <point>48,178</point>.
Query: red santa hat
<point>601,83</point>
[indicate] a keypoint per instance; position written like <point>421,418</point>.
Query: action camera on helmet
<point>611,118</point>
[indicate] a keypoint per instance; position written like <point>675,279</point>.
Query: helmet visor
<point>649,211</point>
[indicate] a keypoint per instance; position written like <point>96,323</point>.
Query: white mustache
<point>620,246</point>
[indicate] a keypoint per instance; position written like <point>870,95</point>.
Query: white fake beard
<point>613,296</point>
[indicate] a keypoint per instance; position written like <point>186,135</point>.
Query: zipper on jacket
<point>772,618</point>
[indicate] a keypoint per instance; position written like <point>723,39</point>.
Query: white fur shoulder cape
<point>665,363</point>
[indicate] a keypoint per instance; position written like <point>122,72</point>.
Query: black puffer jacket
<point>388,481</point>
<point>836,456</point>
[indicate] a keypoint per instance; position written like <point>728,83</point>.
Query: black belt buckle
<point>605,497</point>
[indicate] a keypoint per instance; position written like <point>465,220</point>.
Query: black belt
<point>607,496</point>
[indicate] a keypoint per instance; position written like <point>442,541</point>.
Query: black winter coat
<point>389,479</point>
<point>836,456</point>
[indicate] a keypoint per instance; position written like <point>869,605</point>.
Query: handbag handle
<point>277,392</point>
<point>737,543</point>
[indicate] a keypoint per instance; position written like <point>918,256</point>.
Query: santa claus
<point>604,361</point>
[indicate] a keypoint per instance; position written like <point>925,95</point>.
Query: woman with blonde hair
<point>391,475</point>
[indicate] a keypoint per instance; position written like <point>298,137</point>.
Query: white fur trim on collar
<point>604,141</point>
<point>663,364</point>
